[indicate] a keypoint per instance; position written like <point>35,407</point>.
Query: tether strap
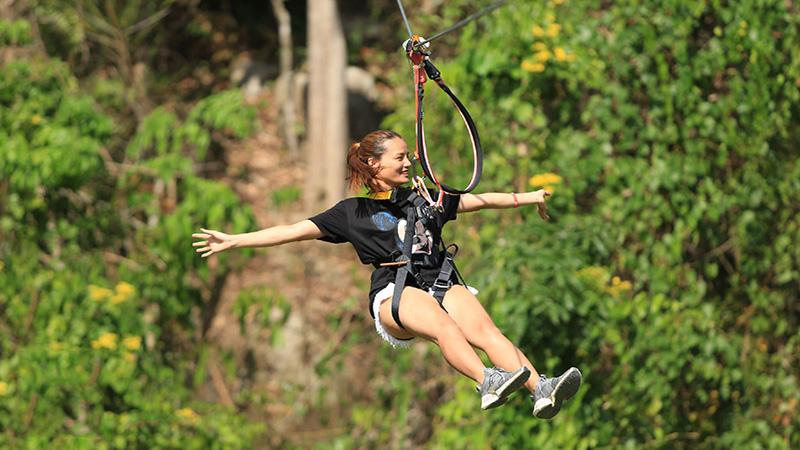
<point>421,61</point>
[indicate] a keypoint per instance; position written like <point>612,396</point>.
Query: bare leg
<point>481,332</point>
<point>422,317</point>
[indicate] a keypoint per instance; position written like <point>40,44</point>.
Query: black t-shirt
<point>376,229</point>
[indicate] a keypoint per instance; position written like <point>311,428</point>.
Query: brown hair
<point>359,172</point>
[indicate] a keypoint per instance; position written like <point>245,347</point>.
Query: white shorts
<point>387,293</point>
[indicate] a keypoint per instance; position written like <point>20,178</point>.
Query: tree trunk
<point>326,147</point>
<point>288,108</point>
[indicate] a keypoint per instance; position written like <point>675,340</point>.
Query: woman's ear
<point>373,163</point>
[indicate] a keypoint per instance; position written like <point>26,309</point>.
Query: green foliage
<point>667,271</point>
<point>100,288</point>
<point>167,144</point>
<point>117,26</point>
<point>15,33</point>
<point>286,196</point>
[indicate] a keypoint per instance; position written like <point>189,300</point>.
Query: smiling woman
<point>415,290</point>
<point>378,161</point>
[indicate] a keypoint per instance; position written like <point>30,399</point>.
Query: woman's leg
<point>422,317</point>
<point>481,332</point>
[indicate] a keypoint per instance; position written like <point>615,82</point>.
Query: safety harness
<point>417,207</point>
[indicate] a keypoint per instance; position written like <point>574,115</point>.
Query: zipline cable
<point>405,19</point>
<point>469,19</point>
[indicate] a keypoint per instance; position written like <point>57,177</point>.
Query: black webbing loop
<point>434,74</point>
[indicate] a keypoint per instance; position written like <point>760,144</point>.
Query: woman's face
<point>393,165</point>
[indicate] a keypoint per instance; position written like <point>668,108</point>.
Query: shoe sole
<point>566,388</point>
<point>508,388</point>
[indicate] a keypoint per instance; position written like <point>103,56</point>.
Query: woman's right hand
<point>213,242</point>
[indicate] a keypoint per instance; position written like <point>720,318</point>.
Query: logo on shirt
<point>384,221</point>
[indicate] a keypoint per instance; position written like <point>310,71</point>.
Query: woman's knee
<point>486,335</point>
<point>448,329</point>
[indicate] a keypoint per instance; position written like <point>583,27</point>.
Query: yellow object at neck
<point>383,195</point>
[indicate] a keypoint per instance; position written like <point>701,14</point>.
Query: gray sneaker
<point>498,384</point>
<point>550,393</point>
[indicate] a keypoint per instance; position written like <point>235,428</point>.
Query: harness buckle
<point>438,285</point>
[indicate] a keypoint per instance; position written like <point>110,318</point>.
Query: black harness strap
<point>477,152</point>
<point>443,283</point>
<point>408,268</point>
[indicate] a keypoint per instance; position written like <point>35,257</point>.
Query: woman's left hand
<point>538,199</point>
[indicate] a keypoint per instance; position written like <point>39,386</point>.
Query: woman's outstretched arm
<point>217,241</point>
<point>498,200</point>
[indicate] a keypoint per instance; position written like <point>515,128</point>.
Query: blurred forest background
<point>669,271</point>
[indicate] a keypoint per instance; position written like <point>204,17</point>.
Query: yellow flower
<point>550,17</point>
<point>108,340</point>
<point>188,415</point>
<point>36,119</point>
<point>560,54</point>
<point>743,24</point>
<point>549,189</point>
<point>132,342</point>
<point>558,2</point>
<point>542,56</point>
<point>545,179</point>
<point>118,298</point>
<point>130,357</point>
<point>3,388</point>
<point>1,265</point>
<point>717,31</point>
<point>619,287</point>
<point>553,30</point>
<point>99,293</point>
<point>124,288</point>
<point>538,31</point>
<point>539,46</point>
<point>532,67</point>
<point>57,346</point>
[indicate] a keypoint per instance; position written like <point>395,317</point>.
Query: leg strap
<point>442,283</point>
<point>399,284</point>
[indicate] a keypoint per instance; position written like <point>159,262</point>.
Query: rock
<point>250,75</point>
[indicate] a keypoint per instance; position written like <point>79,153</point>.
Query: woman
<point>378,229</point>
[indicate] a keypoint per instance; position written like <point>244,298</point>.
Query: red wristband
<point>516,200</point>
